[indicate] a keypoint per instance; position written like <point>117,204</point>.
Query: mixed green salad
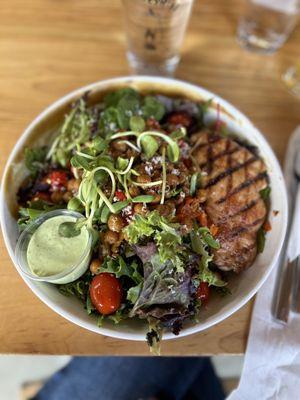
<point>125,165</point>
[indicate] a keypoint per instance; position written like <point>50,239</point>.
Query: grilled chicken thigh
<point>232,177</point>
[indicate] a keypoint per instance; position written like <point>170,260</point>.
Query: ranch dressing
<point>48,253</point>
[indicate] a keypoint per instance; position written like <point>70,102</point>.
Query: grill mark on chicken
<point>212,139</point>
<point>209,155</point>
<point>229,171</point>
<point>229,167</point>
<point>245,184</point>
<point>242,229</point>
<point>222,154</point>
<point>247,207</point>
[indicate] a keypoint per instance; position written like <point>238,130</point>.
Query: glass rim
<point>30,229</point>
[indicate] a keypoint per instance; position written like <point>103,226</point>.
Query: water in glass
<point>155,31</point>
<point>267,24</point>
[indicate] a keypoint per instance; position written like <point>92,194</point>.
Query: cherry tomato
<point>203,292</point>
<point>57,179</point>
<point>106,293</point>
<point>120,195</point>
<point>180,118</point>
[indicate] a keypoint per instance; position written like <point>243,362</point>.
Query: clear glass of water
<point>155,30</point>
<point>267,24</point>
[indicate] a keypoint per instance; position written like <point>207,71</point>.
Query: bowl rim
<point>181,85</point>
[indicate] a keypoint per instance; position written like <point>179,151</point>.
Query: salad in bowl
<point>139,206</point>
<point>142,209</point>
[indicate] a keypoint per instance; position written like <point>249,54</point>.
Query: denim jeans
<point>134,378</point>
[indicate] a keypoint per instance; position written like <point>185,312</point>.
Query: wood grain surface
<point>50,47</point>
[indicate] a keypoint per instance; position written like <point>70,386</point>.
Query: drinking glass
<point>155,30</point>
<point>291,79</point>
<point>267,24</point>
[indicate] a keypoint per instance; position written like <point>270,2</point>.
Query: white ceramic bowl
<point>243,286</point>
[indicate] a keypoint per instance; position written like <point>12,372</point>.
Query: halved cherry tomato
<point>57,179</point>
<point>106,293</point>
<point>203,292</point>
<point>120,195</point>
<point>180,118</point>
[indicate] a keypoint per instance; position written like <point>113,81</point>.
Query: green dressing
<point>48,253</point>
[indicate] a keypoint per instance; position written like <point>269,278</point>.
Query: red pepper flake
<point>120,195</point>
<point>219,123</point>
<point>214,229</point>
<point>203,292</point>
<point>267,226</point>
<point>275,212</point>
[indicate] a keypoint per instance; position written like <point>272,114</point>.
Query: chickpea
<point>144,178</point>
<point>157,198</point>
<point>111,237</point>
<point>104,250</point>
<point>118,145</point>
<point>140,209</point>
<point>163,209</point>
<point>67,196</point>
<point>57,196</point>
<point>115,248</point>
<point>133,191</point>
<point>73,185</point>
<point>95,266</point>
<point>115,223</point>
<point>172,180</point>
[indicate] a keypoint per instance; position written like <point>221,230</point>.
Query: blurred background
<point>21,376</point>
<point>51,47</point>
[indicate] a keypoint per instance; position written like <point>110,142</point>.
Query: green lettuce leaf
<point>164,233</point>
<point>120,268</point>
<point>201,240</point>
<point>134,292</point>
<point>35,159</point>
<point>152,107</point>
<point>34,210</point>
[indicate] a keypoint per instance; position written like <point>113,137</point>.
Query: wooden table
<point>48,48</point>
